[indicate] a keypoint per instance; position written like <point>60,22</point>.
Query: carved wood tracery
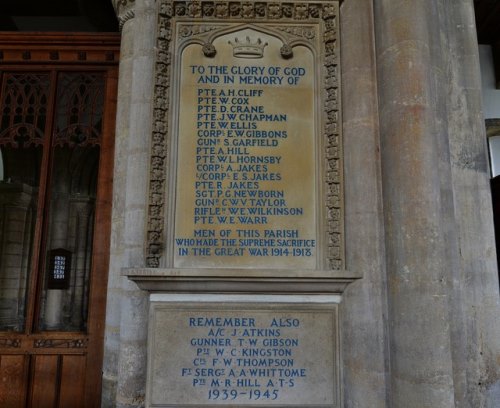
<point>23,113</point>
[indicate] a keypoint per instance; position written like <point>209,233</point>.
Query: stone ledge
<point>240,280</point>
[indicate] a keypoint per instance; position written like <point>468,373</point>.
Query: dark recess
<point>58,15</point>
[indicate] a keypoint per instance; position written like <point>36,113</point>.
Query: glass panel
<point>24,99</point>
<point>69,238</point>
<point>73,188</point>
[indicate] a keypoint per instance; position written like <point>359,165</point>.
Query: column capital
<point>124,9</point>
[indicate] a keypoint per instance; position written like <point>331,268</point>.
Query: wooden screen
<point>57,108</point>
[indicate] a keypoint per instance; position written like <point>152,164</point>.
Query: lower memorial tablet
<point>214,354</point>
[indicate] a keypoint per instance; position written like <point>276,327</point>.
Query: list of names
<point>245,182</point>
<point>243,357</point>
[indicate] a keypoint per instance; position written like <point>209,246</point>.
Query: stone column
<point>124,371</point>
<point>442,278</point>
<point>17,223</point>
<point>476,301</point>
<point>413,140</point>
<point>59,218</point>
<point>364,314</point>
<point>125,14</point>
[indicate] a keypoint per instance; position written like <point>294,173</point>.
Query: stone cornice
<point>260,281</point>
<point>124,9</point>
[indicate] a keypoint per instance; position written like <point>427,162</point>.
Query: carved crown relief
<point>248,48</point>
<point>198,21</point>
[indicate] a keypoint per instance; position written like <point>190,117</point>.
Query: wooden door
<point>57,109</point>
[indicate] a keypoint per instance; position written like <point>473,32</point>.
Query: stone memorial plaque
<point>246,155</point>
<point>206,355</point>
<point>246,192</point>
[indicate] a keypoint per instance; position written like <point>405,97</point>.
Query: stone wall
<point>420,329</point>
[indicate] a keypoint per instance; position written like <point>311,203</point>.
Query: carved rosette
<point>249,10</point>
<point>333,152</point>
<point>325,13</point>
<point>10,343</point>
<point>159,145</point>
<point>61,343</point>
<point>125,10</point>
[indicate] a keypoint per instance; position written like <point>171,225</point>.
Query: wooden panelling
<point>13,374</point>
<point>53,49</point>
<point>72,388</point>
<point>101,247</point>
<point>45,382</point>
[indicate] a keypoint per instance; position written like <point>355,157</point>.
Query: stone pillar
<point>17,223</point>
<point>125,13</point>
<point>59,217</point>
<point>124,370</point>
<point>413,132</point>
<point>364,314</point>
<point>476,301</point>
<point>443,302</point>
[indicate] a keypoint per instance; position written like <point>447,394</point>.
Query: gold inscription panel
<point>246,182</point>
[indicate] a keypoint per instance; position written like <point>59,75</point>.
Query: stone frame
<point>326,14</point>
